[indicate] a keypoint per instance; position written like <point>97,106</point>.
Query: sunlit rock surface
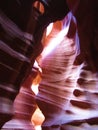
<point>67,93</point>
<point>59,76</point>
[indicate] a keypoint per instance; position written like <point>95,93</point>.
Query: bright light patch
<point>55,42</point>
<point>34,88</point>
<point>49,28</point>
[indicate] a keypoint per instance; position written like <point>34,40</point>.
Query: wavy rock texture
<point>24,106</point>
<point>14,64</point>
<point>58,77</point>
<point>67,93</point>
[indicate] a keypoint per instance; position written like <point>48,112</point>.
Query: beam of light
<point>59,37</point>
<point>54,42</point>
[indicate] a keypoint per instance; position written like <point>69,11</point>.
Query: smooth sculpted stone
<point>59,75</point>
<point>24,106</point>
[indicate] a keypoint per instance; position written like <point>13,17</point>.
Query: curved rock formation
<point>73,106</point>
<point>59,76</point>
<point>24,106</point>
